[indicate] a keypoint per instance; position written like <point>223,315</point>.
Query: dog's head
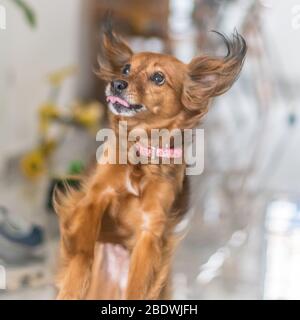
<point>157,90</point>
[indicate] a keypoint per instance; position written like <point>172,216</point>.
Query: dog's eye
<point>126,69</point>
<point>158,78</point>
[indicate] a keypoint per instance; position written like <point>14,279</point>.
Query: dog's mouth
<point>120,106</point>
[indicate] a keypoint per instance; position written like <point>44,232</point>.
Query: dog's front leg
<point>80,216</point>
<point>78,239</point>
<point>148,257</point>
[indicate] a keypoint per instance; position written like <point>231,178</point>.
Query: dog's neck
<point>146,147</point>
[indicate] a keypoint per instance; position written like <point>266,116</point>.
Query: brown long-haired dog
<point>117,231</point>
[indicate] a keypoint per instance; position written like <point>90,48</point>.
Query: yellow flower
<point>33,164</point>
<point>47,112</point>
<point>88,115</point>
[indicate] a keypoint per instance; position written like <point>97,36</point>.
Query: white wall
<point>26,57</point>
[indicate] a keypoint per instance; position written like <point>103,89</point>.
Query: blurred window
<point>282,278</point>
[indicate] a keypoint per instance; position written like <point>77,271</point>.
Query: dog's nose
<point>118,86</point>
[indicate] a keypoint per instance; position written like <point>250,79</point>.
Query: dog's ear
<point>115,52</point>
<point>208,76</point>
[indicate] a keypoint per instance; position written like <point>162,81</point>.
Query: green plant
<point>27,11</point>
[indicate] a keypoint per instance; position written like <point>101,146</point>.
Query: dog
<point>117,229</point>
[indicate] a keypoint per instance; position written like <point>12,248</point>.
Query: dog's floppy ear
<point>115,52</point>
<point>208,76</point>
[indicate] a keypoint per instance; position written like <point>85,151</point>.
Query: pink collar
<point>154,152</point>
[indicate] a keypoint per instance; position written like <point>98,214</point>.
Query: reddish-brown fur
<point>140,219</point>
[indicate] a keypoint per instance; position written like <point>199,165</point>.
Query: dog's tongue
<point>114,99</point>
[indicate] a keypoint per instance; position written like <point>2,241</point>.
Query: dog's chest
<point>135,182</point>
<point>132,186</point>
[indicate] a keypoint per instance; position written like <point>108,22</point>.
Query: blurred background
<point>243,229</point>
